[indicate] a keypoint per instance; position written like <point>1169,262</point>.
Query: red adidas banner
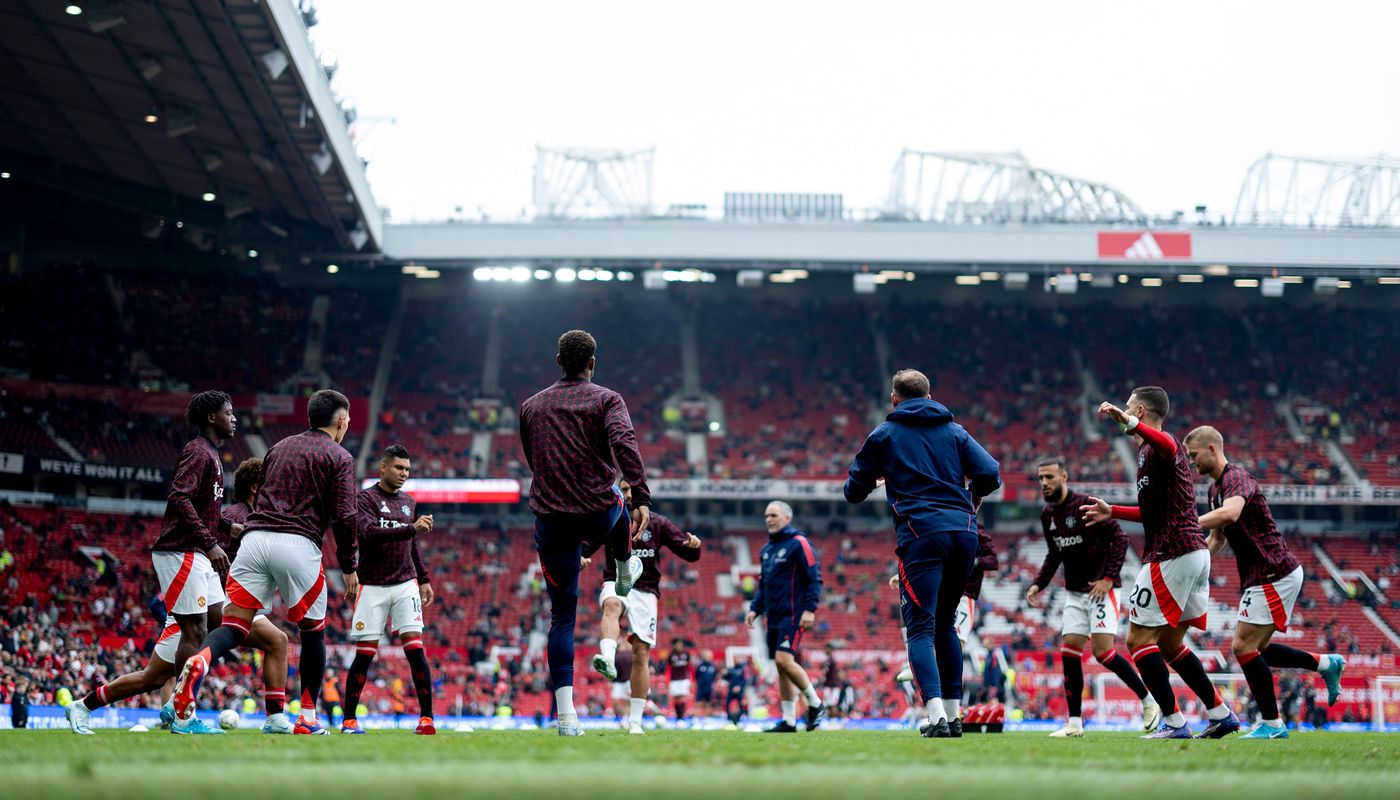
<point>1144,245</point>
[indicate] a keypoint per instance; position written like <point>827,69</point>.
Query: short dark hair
<point>202,406</point>
<point>910,384</point>
<point>395,451</point>
<point>1155,398</point>
<point>1054,461</point>
<point>322,407</point>
<point>248,475</point>
<point>575,348</point>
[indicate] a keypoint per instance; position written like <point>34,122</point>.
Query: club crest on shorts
<point>200,602</point>
<point>359,626</point>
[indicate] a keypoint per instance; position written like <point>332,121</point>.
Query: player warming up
<point>680,676</point>
<point>1270,578</point>
<point>308,487</point>
<point>1092,556</point>
<point>161,667</point>
<point>640,605</point>
<point>1172,590</point>
<point>572,434</point>
<point>394,586</point>
<point>189,563</point>
<point>935,477</point>
<point>789,590</point>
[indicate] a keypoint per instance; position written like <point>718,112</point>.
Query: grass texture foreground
<point>37,765</point>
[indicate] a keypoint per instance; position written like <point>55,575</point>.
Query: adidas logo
<point>383,507</point>
<point>1144,249</point>
<point>786,643</point>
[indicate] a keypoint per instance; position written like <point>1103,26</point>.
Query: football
<point>228,719</point>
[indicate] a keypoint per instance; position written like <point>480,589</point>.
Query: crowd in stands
<point>786,389</point>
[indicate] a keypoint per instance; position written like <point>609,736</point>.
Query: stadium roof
<point>155,107</point>
<point>846,245</point>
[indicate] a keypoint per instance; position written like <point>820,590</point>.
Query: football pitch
<point>35,765</point>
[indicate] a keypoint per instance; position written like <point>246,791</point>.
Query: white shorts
<point>622,691</point>
<point>279,562</point>
<point>1086,616</point>
<point>1272,603</point>
<point>679,689</point>
<point>169,640</point>
<point>967,614</point>
<point>187,583</point>
<point>641,611</point>
<point>1171,592</point>
<point>399,608</point>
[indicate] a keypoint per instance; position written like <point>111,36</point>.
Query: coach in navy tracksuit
<point>789,589</point>
<point>935,476</point>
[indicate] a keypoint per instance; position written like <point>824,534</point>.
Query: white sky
<point>1168,102</point>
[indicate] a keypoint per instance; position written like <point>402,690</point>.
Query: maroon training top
<point>388,542</point>
<point>309,486</point>
<point>1261,554</point>
<point>192,506</point>
<point>1166,497</point>
<point>573,433</point>
<point>1089,552</point>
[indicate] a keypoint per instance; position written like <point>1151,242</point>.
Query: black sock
<point>1124,670</point>
<point>355,683</point>
<point>1285,657</point>
<point>1155,675</point>
<point>274,701</point>
<point>1193,674</point>
<point>680,709</point>
<point>223,639</point>
<point>422,679</point>
<point>313,667</point>
<point>1074,680</point>
<point>1261,683</point>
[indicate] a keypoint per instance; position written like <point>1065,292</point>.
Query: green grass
<point>35,765</point>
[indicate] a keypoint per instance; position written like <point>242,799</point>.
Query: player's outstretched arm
<point>1097,511</point>
<point>1159,440</point>
<point>683,544</point>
